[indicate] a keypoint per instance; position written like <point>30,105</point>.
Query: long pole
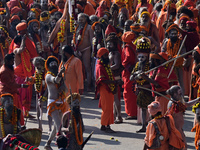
<point>177,56</point>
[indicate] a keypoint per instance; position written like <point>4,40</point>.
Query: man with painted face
<point>10,123</point>
<point>177,107</point>
<point>196,128</point>
<point>115,65</point>
<point>56,98</point>
<point>33,29</point>
<point>144,98</point>
<point>106,87</point>
<point>82,42</point>
<point>171,46</point>
<point>73,119</point>
<point>123,16</point>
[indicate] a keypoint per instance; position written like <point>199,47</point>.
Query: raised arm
<point>22,46</point>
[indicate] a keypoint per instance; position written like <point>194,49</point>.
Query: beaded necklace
<point>110,75</point>
<point>30,67</point>
<point>38,79</point>
<point>141,82</point>
<point>4,47</point>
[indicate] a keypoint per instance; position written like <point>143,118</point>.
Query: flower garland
<point>60,35</point>
<point>72,28</point>
<point>197,105</point>
<point>2,12</point>
<point>79,140</point>
<point>38,79</point>
<point>110,75</point>
<point>26,146</point>
<point>141,82</point>
<point>13,121</point>
<point>4,30</point>
<point>80,36</point>
<point>158,117</point>
<point>49,72</point>
<point>30,67</point>
<point>4,47</point>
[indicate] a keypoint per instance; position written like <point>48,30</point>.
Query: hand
<point>62,70</point>
<point>81,91</point>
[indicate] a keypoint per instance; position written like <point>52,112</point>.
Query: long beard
<point>54,70</point>
<point>9,110</point>
<point>141,65</point>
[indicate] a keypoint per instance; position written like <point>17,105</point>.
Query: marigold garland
<point>4,30</point>
<point>79,37</point>
<point>13,121</point>
<point>60,35</point>
<point>141,82</point>
<point>2,12</point>
<point>38,79</point>
<point>110,75</point>
<point>30,67</point>
<point>197,105</point>
<point>78,139</point>
<point>158,117</point>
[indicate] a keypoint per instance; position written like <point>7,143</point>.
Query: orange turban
<point>34,20</point>
<point>15,10</point>
<point>155,56</point>
<point>36,11</point>
<point>102,51</point>
<point>21,26</point>
<point>173,26</point>
<point>14,18</point>
<point>128,37</point>
<point>154,108</point>
<point>94,24</point>
<point>163,55</point>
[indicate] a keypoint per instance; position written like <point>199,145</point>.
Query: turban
<point>173,26</point>
<point>128,37</point>
<point>143,45</point>
<point>171,5</point>
<point>102,51</point>
<point>163,55</point>
<point>2,11</point>
<point>154,108</point>
<point>183,18</point>
<point>15,10</point>
<point>136,28</point>
<point>74,97</point>
<point>34,20</point>
<point>193,24</point>
<point>155,56</point>
<point>14,18</point>
<point>145,12</point>
<point>21,26</point>
<point>94,24</point>
<point>36,11</point>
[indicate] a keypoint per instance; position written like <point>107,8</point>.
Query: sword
<point>170,61</point>
<point>154,92</point>
<point>177,56</point>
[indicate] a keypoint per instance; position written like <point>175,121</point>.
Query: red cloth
<point>110,29</point>
<point>12,3</point>
<point>129,60</point>
<point>15,10</point>
<point>101,9</point>
<point>89,10</point>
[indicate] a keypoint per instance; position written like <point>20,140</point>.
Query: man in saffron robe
<point>128,61</point>
<point>86,7</point>
<point>8,83</point>
<point>171,136</point>
<point>105,85</point>
<point>23,55</point>
<point>73,75</point>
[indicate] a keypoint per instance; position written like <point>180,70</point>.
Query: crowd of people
<point>147,50</point>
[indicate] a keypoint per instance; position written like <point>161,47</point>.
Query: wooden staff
<point>177,56</point>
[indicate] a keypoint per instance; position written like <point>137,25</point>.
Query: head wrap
<point>173,26</point>
<point>143,45</point>
<point>52,8</point>
<point>7,94</point>
<point>15,10</point>
<point>163,55</point>
<point>21,26</point>
<point>136,28</point>
<point>74,97</point>
<point>145,12</point>
<point>14,18</point>
<point>34,20</point>
<point>155,56</point>
<point>128,37</point>
<point>94,24</point>
<point>2,11</point>
<point>193,24</point>
<point>154,108</point>
<point>102,51</point>
<point>171,5</point>
<point>36,11</point>
<point>47,61</point>
<point>45,15</point>
<point>183,18</point>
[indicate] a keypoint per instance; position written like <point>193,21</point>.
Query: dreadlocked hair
<point>112,37</point>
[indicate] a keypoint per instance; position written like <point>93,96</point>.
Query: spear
<point>103,38</point>
<point>177,56</point>
<point>86,140</point>
<point>170,61</point>
<point>71,105</point>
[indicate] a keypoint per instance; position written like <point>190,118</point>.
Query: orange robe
<point>197,135</point>
<point>73,74</point>
<point>106,100</point>
<point>174,138</point>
